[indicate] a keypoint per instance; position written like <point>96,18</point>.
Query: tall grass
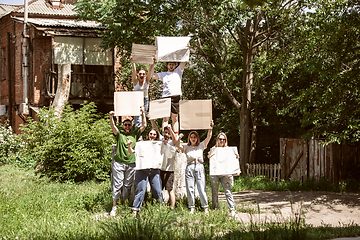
<point>37,208</point>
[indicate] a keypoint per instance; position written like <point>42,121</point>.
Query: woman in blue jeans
<point>142,177</point>
<point>194,173</point>
<point>226,180</point>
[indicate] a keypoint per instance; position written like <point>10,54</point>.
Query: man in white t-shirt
<point>172,88</point>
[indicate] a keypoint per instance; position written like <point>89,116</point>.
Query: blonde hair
<point>197,136</point>
<point>217,139</point>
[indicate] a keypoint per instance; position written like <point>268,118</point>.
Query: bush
<point>12,148</point>
<point>75,147</point>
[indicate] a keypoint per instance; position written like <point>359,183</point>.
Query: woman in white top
<point>194,173</point>
<point>141,82</point>
<point>226,180</point>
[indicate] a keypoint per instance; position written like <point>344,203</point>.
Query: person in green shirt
<point>123,168</point>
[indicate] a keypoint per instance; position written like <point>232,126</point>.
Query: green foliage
<point>75,147</point>
<point>44,209</point>
<point>13,147</point>
<point>264,183</point>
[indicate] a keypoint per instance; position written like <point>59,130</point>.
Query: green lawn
<point>33,208</point>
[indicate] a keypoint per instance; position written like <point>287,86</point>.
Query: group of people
<point>124,170</point>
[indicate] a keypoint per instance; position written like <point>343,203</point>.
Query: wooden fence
<point>271,171</point>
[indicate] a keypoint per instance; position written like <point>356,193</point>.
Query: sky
<point>13,2</point>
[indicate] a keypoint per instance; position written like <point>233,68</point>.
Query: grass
<point>36,208</point>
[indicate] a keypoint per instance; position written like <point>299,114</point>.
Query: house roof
<point>41,8</point>
<point>45,22</point>
<point>6,9</point>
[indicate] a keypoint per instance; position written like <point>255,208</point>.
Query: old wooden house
<point>35,39</point>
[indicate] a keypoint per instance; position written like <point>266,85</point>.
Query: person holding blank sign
<point>123,167</point>
<point>194,173</point>
<point>141,82</point>
<point>226,180</point>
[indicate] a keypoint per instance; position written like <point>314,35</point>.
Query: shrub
<point>75,147</point>
<point>12,148</point>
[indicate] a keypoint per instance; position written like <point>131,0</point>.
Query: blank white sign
<point>195,114</point>
<point>128,103</point>
<point>223,161</point>
<point>160,108</point>
<point>172,49</point>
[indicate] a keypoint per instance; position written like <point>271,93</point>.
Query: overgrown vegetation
<point>38,208</point>
<point>74,147</point>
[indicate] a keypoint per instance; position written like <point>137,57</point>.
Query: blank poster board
<point>195,114</point>
<point>172,49</point>
<point>148,155</point>
<point>128,103</point>
<point>223,161</point>
<point>143,53</point>
<point>160,108</point>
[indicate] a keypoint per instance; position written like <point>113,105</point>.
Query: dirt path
<point>318,208</point>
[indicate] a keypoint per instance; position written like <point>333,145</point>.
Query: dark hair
<point>157,134</point>
<point>197,136</point>
<point>140,68</point>
<point>127,120</point>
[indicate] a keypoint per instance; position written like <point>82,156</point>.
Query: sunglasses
<point>127,124</point>
<point>222,139</point>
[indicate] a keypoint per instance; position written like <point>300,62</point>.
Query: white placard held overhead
<point>152,154</point>
<point>172,49</point>
<point>223,161</point>
<point>160,108</point>
<point>195,114</point>
<point>143,53</point>
<point>128,103</point>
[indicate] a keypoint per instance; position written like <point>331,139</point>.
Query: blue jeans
<point>138,119</point>
<point>226,184</point>
<point>141,178</point>
<point>123,178</point>
<point>195,173</point>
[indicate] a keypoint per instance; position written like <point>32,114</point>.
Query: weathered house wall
<point>49,21</point>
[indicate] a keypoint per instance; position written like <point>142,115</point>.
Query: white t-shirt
<point>143,88</point>
<point>171,82</point>
<point>194,152</point>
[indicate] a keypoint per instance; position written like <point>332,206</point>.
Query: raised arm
<point>182,65</point>
<point>143,126</point>
<point>133,76</point>
<point>178,142</point>
<point>112,123</point>
<point>209,134</point>
<point>150,73</point>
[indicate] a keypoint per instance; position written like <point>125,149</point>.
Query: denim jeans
<point>195,173</point>
<point>138,119</point>
<point>141,178</point>
<point>226,184</point>
<point>123,178</point>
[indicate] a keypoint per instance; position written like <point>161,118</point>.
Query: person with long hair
<point>195,173</point>
<point>142,176</point>
<point>226,180</point>
<point>141,82</point>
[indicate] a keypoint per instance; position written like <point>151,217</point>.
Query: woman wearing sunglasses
<point>194,173</point>
<point>142,177</point>
<point>226,180</point>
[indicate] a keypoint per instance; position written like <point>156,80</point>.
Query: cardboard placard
<point>128,103</point>
<point>160,108</point>
<point>152,154</point>
<point>223,161</point>
<point>195,114</point>
<point>143,53</point>
<point>172,49</point>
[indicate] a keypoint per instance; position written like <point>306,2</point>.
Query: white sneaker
<point>113,211</point>
<point>206,211</point>
<point>232,214</point>
<point>192,210</point>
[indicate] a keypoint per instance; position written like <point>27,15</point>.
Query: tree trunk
<point>63,87</point>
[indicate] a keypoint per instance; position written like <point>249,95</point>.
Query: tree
<point>220,30</point>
